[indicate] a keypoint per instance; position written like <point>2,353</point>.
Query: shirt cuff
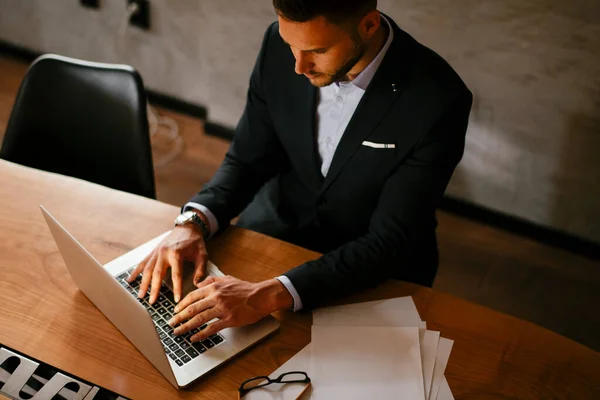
<point>214,225</point>
<point>290,287</point>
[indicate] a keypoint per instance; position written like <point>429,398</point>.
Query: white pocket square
<point>379,145</point>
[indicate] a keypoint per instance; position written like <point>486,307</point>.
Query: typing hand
<point>184,243</point>
<point>232,301</point>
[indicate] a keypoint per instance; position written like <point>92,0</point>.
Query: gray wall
<point>533,65</point>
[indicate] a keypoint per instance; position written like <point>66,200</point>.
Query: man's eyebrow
<point>311,50</point>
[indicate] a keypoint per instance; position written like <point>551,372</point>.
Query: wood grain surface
<point>44,315</point>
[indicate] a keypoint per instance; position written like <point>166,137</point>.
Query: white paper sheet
<point>366,362</point>
<point>445,393</point>
<point>429,345</point>
<point>399,312</point>
<point>441,360</point>
<point>396,303</point>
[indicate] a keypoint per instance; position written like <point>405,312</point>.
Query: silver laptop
<point>179,360</point>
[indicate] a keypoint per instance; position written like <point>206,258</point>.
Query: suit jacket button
<point>321,202</point>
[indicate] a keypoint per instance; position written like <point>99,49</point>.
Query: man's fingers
<point>160,269</point>
<point>206,282</point>
<point>201,266</point>
<point>139,268</point>
<point>176,263</point>
<point>191,310</point>
<point>147,277</point>
<point>210,330</point>
<point>197,321</point>
<point>192,297</point>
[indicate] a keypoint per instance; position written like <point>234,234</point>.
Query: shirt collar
<point>363,79</point>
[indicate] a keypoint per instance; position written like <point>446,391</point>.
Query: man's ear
<point>369,24</point>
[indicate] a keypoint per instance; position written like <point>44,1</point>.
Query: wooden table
<point>43,314</point>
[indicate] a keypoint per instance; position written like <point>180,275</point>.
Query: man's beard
<point>355,57</point>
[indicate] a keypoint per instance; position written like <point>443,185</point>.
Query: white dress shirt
<point>336,104</point>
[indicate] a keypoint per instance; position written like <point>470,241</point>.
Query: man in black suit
<point>350,134</point>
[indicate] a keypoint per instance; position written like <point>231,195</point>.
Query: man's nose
<point>303,63</point>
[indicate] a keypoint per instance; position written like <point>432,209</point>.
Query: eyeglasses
<point>262,381</point>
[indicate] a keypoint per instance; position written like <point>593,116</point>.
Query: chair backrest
<point>83,119</point>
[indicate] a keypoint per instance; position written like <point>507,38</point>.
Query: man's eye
<point>320,51</point>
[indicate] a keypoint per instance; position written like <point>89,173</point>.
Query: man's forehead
<point>313,34</point>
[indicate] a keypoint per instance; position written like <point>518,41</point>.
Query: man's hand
<point>234,302</point>
<point>184,243</point>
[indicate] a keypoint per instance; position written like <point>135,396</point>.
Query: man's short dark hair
<point>335,11</point>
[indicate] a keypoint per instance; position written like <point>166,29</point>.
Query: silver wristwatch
<point>190,217</point>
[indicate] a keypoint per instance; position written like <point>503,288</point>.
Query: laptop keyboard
<point>179,348</point>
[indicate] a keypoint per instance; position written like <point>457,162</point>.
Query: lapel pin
<point>394,87</point>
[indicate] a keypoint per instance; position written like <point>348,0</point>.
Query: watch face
<point>186,216</point>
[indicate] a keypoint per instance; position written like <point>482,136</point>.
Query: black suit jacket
<point>373,215</point>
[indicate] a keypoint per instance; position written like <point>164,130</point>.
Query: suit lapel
<point>382,93</point>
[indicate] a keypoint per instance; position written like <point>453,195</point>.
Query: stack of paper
<point>375,350</point>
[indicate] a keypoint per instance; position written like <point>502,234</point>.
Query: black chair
<point>85,120</point>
